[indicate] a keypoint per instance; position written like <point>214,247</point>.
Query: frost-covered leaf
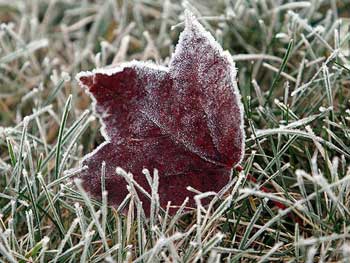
<point>185,120</point>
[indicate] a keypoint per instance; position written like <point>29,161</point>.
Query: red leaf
<point>185,120</point>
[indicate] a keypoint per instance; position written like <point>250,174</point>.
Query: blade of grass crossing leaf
<point>120,237</point>
<point>139,231</point>
<point>104,196</point>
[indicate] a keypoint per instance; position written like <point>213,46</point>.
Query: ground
<point>290,203</point>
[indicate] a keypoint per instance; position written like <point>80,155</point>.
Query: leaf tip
<point>191,22</point>
<point>85,78</point>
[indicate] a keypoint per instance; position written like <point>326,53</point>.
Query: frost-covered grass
<point>294,76</point>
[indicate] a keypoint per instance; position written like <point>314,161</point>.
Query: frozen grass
<point>294,76</point>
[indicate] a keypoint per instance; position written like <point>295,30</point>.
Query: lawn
<point>289,203</point>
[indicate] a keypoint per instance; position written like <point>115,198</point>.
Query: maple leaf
<point>184,120</point>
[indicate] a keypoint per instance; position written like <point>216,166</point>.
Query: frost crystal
<point>185,120</point>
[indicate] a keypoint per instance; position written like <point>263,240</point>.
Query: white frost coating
<point>109,71</point>
<point>190,22</point>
